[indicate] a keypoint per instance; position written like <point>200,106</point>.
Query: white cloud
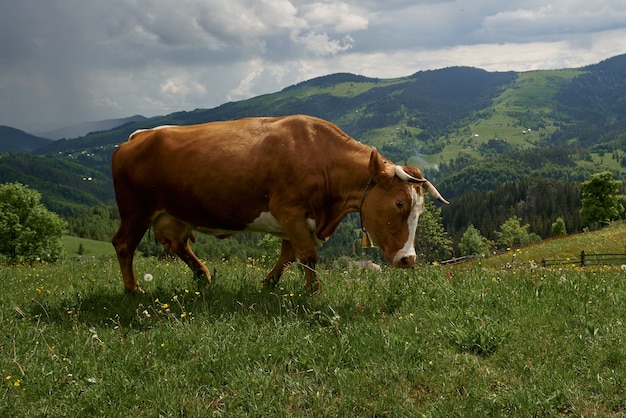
<point>67,61</point>
<point>247,85</point>
<point>320,44</point>
<point>340,16</point>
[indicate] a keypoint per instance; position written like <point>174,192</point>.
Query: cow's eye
<point>399,204</point>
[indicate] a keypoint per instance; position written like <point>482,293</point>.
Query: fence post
<point>582,258</point>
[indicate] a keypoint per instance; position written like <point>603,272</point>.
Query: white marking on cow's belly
<point>417,207</point>
<point>265,222</point>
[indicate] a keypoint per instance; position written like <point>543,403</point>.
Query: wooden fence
<point>583,260</point>
<point>587,260</point>
<point>457,260</point>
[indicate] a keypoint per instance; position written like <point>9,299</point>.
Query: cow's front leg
<point>313,283</point>
<point>286,258</point>
<point>301,238</point>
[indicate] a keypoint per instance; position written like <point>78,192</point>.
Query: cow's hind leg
<point>286,258</point>
<point>125,242</point>
<point>183,250</point>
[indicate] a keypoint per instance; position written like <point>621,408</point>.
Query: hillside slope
<point>66,187</point>
<point>15,140</point>
<point>467,128</point>
<point>85,128</point>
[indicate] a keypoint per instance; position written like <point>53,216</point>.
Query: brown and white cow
<point>295,177</point>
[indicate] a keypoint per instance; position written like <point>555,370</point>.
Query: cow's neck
<point>356,183</point>
<point>349,175</point>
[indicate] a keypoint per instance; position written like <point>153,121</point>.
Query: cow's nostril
<point>407,261</point>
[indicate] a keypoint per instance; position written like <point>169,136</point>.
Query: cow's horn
<point>435,193</point>
<point>407,177</point>
<point>431,189</point>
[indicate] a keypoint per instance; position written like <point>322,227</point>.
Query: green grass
<point>609,240</point>
<point>430,341</point>
<point>90,248</point>
<point>602,163</point>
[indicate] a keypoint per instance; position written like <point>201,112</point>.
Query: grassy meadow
<point>471,340</point>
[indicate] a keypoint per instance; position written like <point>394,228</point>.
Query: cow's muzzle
<point>404,260</point>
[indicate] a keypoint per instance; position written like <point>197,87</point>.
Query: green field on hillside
<point>76,247</point>
<point>522,115</point>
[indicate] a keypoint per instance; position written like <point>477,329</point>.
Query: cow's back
<point>253,144</point>
<point>226,169</point>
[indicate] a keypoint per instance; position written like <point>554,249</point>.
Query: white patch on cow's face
<point>417,207</point>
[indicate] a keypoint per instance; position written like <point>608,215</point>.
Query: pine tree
<point>433,242</point>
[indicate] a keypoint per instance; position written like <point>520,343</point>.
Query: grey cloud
<point>67,61</point>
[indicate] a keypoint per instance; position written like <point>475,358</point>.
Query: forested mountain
<point>537,201</point>
<point>66,187</point>
<point>592,108</point>
<point>489,140</point>
<point>14,140</point>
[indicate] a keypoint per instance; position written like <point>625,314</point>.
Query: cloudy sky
<point>68,61</point>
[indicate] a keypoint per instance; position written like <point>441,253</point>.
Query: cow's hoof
<point>315,288</point>
<point>203,279</point>
<point>269,281</point>
<point>134,291</point>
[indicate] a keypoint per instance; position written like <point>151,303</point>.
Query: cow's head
<point>391,208</point>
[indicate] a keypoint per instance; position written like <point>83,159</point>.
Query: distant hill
<point>14,140</point>
<point>470,130</point>
<point>83,129</point>
<point>66,186</point>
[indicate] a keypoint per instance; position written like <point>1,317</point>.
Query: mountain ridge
<point>16,140</point>
<point>82,129</point>
<point>467,128</point>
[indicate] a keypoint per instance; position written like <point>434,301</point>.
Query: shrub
<point>473,243</point>
<point>28,231</point>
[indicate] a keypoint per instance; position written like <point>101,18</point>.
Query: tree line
<point>514,214</point>
<point>537,202</point>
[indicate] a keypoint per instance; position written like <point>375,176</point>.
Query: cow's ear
<point>380,169</point>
